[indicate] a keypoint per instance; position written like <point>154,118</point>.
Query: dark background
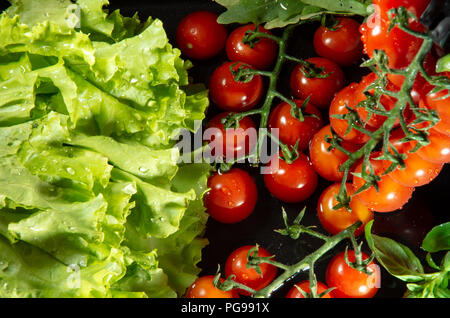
<point>428,207</point>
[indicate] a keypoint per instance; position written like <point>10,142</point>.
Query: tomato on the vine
<point>294,182</point>
<point>305,287</point>
<point>327,162</point>
<point>335,221</point>
<point>390,196</point>
<point>231,95</point>
<point>291,130</point>
<point>199,36</point>
<point>236,264</point>
<point>350,282</point>
<point>232,196</point>
<point>417,7</point>
<point>320,90</point>
<point>440,103</point>
<point>230,142</point>
<point>344,102</point>
<point>438,150</point>
<point>399,46</point>
<point>203,287</point>
<point>341,43</point>
<point>259,53</point>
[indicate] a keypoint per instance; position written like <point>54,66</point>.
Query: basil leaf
<point>278,14</point>
<point>438,239</point>
<point>396,258</point>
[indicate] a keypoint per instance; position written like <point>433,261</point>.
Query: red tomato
<point>388,102</point>
<point>438,150</point>
<point>203,287</point>
<point>199,36</point>
<point>342,46</point>
<point>293,182</point>
<point>343,99</point>
<point>230,143</point>
<point>230,95</point>
<point>349,282</point>
<point>291,129</point>
<point>325,162</point>
<point>435,101</point>
<point>304,286</point>
<point>400,47</point>
<point>417,7</point>
<point>236,264</point>
<point>232,196</point>
<point>335,221</point>
<point>390,196</point>
<point>260,56</point>
<point>321,90</point>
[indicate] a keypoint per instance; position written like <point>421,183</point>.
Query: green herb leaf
<point>438,239</point>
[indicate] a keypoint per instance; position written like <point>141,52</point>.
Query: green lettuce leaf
<point>93,199</point>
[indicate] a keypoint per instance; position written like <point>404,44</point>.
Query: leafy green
<point>277,14</point>
<point>93,201</point>
<point>438,239</point>
<point>443,64</point>
<point>401,262</point>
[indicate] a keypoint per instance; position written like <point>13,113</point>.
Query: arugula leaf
<point>277,14</point>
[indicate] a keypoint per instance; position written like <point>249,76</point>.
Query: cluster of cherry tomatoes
<point>233,194</point>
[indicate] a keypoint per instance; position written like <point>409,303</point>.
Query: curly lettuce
<point>93,199</point>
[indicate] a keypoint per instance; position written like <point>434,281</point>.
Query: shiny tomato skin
<point>320,90</point>
<point>343,99</point>
<point>437,102</point>
<point>417,7</point>
<point>304,286</point>
<point>230,95</point>
<point>335,221</point>
<point>327,163</point>
<point>438,150</point>
<point>349,282</point>
<point>230,143</point>
<point>261,56</point>
<point>291,129</point>
<point>199,36</point>
<point>293,182</point>
<point>417,172</point>
<point>391,195</point>
<point>203,287</point>
<point>343,45</point>
<point>400,47</point>
<point>232,196</point>
<point>236,264</point>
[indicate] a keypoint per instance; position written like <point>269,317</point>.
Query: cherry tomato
<point>321,90</point>
<point>438,150</point>
<point>236,264</point>
<point>342,44</point>
<point>293,182</point>
<point>400,47</point>
<point>304,286</point>
<point>199,36</point>
<point>437,102</point>
<point>349,282</point>
<point>390,196</point>
<point>230,142</point>
<point>260,55</point>
<point>291,129</point>
<point>231,95</point>
<point>232,196</point>
<point>203,287</point>
<point>417,7</point>
<point>328,162</point>
<point>344,99</point>
<point>335,221</point>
